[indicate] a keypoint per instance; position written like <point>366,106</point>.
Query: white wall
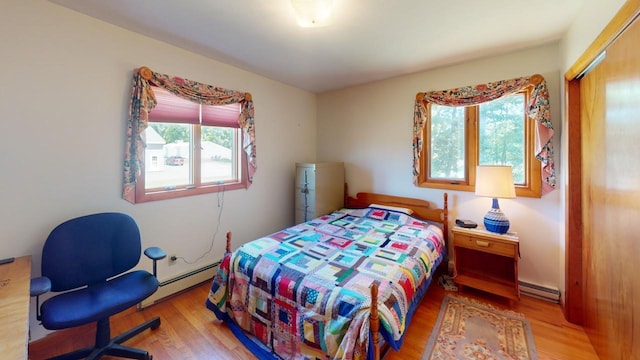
<point>380,113</point>
<point>66,80</point>
<point>591,20</point>
<point>369,127</point>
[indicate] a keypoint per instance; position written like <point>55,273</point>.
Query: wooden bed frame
<point>421,209</point>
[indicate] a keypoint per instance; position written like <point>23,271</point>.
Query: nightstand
<point>486,261</point>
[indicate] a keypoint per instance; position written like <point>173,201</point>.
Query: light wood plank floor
<point>190,331</point>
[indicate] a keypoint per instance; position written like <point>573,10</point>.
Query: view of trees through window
<point>448,133</point>
<point>171,134</point>
<point>500,131</point>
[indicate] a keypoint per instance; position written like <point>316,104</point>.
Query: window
<point>198,146</point>
<point>186,138</point>
<point>459,138</point>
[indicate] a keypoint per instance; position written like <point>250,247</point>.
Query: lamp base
<point>495,220</point>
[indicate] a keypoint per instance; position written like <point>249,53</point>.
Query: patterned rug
<point>468,329</point>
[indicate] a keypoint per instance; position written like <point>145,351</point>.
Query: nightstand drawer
<point>486,245</point>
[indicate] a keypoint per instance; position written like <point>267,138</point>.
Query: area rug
<point>469,329</point>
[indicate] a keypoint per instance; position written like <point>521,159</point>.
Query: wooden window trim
<point>532,186</point>
<point>145,195</point>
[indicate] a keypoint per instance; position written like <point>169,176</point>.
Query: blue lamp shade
<point>495,182</point>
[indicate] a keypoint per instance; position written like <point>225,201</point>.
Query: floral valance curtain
<point>143,101</point>
<point>537,109</point>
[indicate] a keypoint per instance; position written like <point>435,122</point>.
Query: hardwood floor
<point>189,330</point>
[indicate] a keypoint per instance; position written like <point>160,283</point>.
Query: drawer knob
<point>482,243</point>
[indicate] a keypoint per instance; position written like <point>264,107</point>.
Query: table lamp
<point>495,182</point>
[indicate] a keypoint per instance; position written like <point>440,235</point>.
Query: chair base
<point>113,347</point>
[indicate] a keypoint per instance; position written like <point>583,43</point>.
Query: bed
<point>335,287</point>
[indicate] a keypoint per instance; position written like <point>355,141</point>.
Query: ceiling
<point>368,40</point>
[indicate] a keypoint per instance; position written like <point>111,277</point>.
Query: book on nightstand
<point>466,223</point>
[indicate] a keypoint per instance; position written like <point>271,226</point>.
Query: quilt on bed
<point>304,292</point>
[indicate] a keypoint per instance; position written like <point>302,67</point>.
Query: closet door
<point>610,135</point>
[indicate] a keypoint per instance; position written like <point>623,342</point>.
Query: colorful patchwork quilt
<point>304,292</point>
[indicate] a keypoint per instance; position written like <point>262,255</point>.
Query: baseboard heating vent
<point>540,292</point>
<point>181,282</point>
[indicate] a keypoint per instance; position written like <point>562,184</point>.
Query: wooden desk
<point>15,278</point>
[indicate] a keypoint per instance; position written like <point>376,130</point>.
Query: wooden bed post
<point>445,215</point>
<point>374,322</point>
<point>228,241</point>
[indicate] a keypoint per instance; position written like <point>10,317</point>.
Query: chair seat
<point>90,304</point>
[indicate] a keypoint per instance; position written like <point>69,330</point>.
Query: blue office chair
<point>88,260</point>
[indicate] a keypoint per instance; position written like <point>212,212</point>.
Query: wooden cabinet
<point>486,261</point>
<point>319,189</point>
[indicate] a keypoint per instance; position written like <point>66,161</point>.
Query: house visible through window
<point>459,138</point>
<point>198,147</point>
<point>186,138</point>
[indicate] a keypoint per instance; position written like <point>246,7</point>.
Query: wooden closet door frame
<point>573,304</point>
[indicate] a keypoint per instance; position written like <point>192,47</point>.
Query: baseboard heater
<point>540,292</point>
<point>197,276</point>
<point>181,282</point>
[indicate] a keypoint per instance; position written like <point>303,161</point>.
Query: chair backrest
<point>90,249</point>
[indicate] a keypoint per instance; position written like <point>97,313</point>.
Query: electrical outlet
<point>172,259</point>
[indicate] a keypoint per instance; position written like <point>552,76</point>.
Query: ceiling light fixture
<point>313,13</point>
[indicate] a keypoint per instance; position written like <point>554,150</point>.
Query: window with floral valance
<point>216,99</point>
<point>536,109</point>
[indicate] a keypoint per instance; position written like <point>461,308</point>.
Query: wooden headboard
<point>421,208</point>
